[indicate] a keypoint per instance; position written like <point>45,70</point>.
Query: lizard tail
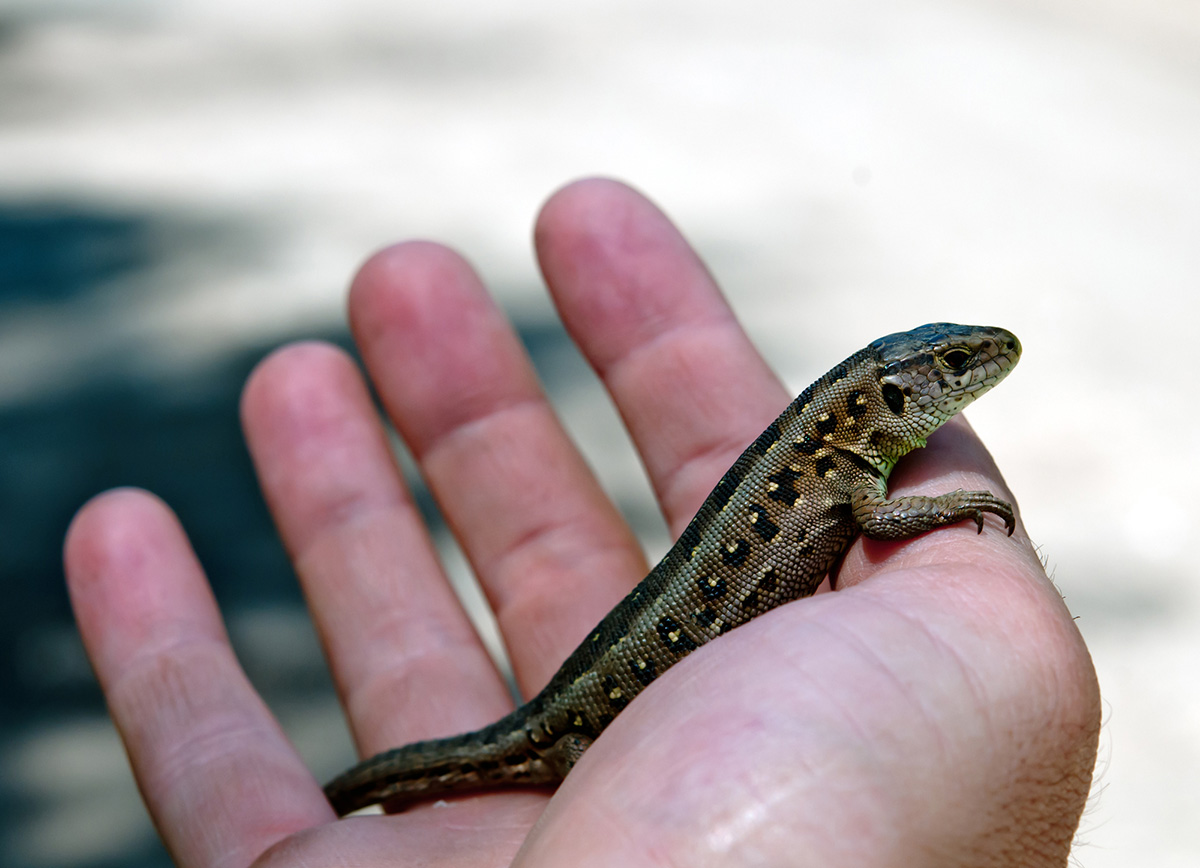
<point>495,756</point>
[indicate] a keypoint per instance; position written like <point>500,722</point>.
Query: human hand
<point>939,709</point>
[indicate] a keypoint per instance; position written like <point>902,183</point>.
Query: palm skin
<point>939,709</point>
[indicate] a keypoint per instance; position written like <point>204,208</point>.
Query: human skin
<point>939,708</point>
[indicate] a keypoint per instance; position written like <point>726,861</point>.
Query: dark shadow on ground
<point>52,252</point>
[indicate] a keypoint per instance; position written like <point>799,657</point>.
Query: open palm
<point>939,709</point>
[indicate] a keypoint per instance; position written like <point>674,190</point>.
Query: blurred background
<point>186,185</point>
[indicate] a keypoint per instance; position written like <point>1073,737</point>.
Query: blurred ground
<point>185,185</point>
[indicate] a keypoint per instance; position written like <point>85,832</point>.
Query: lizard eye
<point>955,358</point>
<point>894,398</point>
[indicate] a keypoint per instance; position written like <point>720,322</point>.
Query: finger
<point>691,388</point>
<point>549,548</point>
<point>405,658</point>
<point>218,776</point>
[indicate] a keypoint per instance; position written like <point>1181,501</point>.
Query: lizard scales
<point>771,530</point>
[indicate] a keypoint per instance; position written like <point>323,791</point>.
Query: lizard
<point>777,523</point>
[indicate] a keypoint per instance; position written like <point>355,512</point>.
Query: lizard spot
<point>712,587</point>
<point>643,670</point>
<point>735,554</point>
<point>783,486</point>
<point>671,632</point>
<point>616,698</point>
<point>807,446</point>
<point>763,526</point>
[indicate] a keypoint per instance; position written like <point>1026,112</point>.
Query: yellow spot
<point>596,638</point>
<point>731,547</point>
<point>713,581</point>
<point>641,664</point>
<point>824,417</point>
<point>772,486</point>
<point>578,720</point>
<point>795,468</point>
<point>753,517</point>
<point>674,635</point>
<point>615,693</point>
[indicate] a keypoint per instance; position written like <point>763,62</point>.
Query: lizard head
<point>929,374</point>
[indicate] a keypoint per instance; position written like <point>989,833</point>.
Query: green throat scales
<point>772,529</point>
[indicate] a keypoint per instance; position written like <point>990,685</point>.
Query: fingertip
<point>436,346</point>
<point>127,561</point>
<point>284,379</point>
<point>109,529</point>
<point>403,257</point>
<point>315,439</point>
<point>580,201</point>
<point>396,284</point>
<point>620,272</point>
<point>588,222</point>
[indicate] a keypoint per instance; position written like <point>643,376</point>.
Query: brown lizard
<point>775,525</point>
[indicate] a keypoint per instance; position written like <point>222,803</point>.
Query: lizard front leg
<point>904,517</point>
